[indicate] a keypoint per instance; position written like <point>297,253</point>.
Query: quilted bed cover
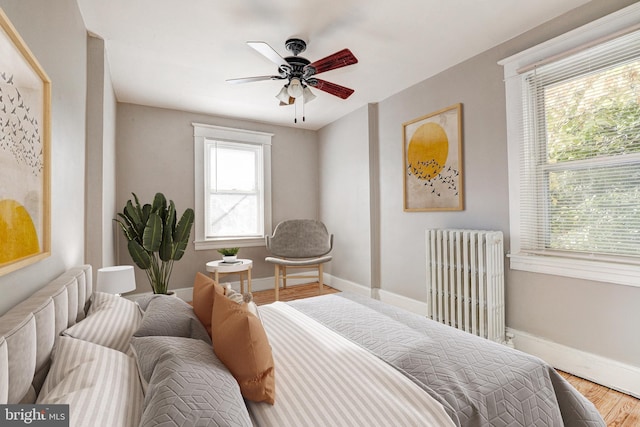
<point>478,382</point>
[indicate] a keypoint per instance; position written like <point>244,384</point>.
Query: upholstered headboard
<point>29,331</point>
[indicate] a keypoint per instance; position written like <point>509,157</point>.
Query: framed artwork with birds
<point>432,161</point>
<point>25,107</point>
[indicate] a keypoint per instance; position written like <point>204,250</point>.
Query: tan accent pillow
<point>204,290</point>
<point>240,342</point>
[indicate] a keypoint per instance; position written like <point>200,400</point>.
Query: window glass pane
<point>596,210</point>
<point>597,114</point>
<point>233,215</point>
<point>236,169</point>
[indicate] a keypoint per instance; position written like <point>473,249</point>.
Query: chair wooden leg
<point>284,277</point>
<point>277,277</point>
<point>320,278</point>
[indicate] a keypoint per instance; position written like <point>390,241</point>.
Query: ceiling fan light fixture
<point>307,95</point>
<point>283,95</point>
<point>295,88</point>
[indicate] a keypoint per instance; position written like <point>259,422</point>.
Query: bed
<point>339,359</point>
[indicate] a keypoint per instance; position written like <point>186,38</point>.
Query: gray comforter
<point>479,383</point>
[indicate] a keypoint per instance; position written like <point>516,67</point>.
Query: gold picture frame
<point>25,135</point>
<point>432,161</point>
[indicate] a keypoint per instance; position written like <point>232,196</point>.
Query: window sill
<point>597,270</point>
<point>203,245</point>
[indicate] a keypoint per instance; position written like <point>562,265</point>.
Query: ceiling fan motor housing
<point>297,63</point>
<point>295,46</point>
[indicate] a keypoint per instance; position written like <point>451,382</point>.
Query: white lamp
<point>307,95</point>
<point>295,88</point>
<point>117,279</point>
<point>283,95</point>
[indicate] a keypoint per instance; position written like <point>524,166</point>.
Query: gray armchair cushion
<point>300,238</point>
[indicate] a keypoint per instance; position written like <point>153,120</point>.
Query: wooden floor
<point>291,293</point>
<point>617,409</point>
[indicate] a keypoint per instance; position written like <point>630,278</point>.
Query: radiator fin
<point>465,281</point>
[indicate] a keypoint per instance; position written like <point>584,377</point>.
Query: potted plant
<point>155,238</point>
<point>229,254</point>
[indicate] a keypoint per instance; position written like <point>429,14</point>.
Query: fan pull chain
<point>295,112</point>
<point>303,109</point>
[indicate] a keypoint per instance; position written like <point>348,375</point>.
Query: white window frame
<point>204,132</point>
<point>600,268</point>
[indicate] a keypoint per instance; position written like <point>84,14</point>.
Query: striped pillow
<point>4,372</point>
<point>110,322</point>
<point>100,385</point>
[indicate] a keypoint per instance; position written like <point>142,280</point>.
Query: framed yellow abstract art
<point>432,161</point>
<point>25,99</point>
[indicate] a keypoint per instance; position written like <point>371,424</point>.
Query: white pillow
<point>111,321</point>
<point>239,298</point>
<point>100,385</point>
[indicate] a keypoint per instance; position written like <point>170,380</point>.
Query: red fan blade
<point>268,52</point>
<point>331,62</point>
<point>252,79</point>
<point>333,89</point>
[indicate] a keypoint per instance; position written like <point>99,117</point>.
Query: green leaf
<point>132,213</point>
<point>128,231</point>
<point>136,199</point>
<point>181,235</point>
<point>159,203</point>
<point>170,220</point>
<point>166,248</point>
<point>125,223</point>
<point>152,237</point>
<point>146,211</point>
<point>139,255</point>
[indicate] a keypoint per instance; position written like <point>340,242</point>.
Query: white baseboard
<point>409,304</point>
<point>347,285</point>
<point>608,372</point>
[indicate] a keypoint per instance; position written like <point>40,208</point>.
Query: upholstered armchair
<point>301,244</point>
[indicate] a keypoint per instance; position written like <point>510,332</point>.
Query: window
<point>233,183</point>
<point>574,153</point>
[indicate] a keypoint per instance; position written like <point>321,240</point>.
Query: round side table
<point>240,267</point>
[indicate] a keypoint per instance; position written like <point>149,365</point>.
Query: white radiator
<point>465,281</point>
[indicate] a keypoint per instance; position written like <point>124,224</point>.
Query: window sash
<point>539,174</point>
<point>236,138</point>
<point>253,222</point>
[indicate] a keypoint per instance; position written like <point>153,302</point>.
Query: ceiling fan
<point>300,73</point>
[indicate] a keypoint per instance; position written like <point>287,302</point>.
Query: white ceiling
<point>178,54</point>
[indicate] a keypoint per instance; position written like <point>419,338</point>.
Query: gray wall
<point>154,153</point>
<point>599,318</point>
<point>55,33</point>
<point>345,195</point>
<point>101,149</point>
